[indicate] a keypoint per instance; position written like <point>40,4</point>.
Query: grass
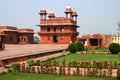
<point>87,57</point>
<point>32,76</point>
<point>69,57</point>
<point>99,50</point>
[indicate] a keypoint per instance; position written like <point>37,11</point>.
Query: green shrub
<point>27,69</point>
<point>93,73</point>
<point>72,48</point>
<point>30,62</point>
<point>38,62</point>
<point>77,71</point>
<point>64,62</point>
<point>9,70</point>
<point>118,74</point>
<point>3,72</point>
<point>114,48</point>
<point>15,66</point>
<point>23,67</point>
<point>80,46</point>
<point>61,70</point>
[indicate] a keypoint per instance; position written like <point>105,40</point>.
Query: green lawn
<point>88,57</point>
<point>99,49</point>
<point>31,76</point>
<point>70,57</point>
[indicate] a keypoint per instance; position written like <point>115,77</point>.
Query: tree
<point>114,48</point>
<point>118,24</point>
<point>72,48</point>
<point>36,40</point>
<point>80,46</point>
<point>118,28</point>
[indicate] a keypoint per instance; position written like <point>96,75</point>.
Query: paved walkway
<point>29,49</point>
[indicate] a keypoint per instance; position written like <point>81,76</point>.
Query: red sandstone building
<point>95,40</point>
<point>12,35</point>
<point>61,30</point>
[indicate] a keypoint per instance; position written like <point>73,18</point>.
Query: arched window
<point>48,29</point>
<point>55,29</point>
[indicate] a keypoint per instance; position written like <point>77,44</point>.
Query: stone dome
<point>43,11</point>
<point>51,14</point>
<point>68,9</point>
<point>74,13</point>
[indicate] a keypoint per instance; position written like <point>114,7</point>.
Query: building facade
<point>12,35</point>
<point>60,30</point>
<point>25,36</point>
<point>96,40</point>
<point>116,38</point>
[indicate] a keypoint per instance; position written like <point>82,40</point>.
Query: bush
<point>80,46</point>
<point>30,62</point>
<point>3,72</point>
<point>15,67</point>
<point>114,48</point>
<point>27,69</point>
<point>64,62</point>
<point>9,70</point>
<point>72,48</point>
<point>118,74</point>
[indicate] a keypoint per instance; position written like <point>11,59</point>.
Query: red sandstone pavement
<point>12,50</point>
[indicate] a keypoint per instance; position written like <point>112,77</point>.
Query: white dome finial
<point>68,6</point>
<point>51,12</point>
<point>43,8</point>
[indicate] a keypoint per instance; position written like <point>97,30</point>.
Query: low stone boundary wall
<point>71,71</point>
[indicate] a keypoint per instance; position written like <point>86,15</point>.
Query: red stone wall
<point>13,35</point>
<point>106,40</point>
<point>64,37</point>
<point>67,35</point>
<point>28,36</point>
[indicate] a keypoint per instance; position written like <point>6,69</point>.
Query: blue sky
<point>95,16</point>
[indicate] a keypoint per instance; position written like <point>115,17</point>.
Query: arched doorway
<point>55,38</point>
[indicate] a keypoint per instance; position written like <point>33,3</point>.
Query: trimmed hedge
<point>114,48</point>
<point>80,46</point>
<point>72,48</point>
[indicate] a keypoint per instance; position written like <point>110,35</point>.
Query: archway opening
<point>55,38</point>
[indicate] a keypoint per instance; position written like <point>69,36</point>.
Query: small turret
<point>68,12</point>
<point>43,14</point>
<point>74,15</point>
<point>51,14</point>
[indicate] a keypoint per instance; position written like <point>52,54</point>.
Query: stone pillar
<point>41,18</point>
